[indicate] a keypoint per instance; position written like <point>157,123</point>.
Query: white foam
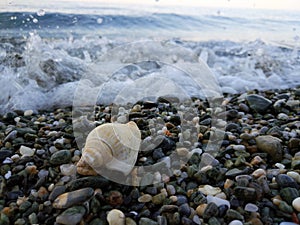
<point>52,69</point>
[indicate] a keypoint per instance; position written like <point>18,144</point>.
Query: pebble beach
<point>252,179</point>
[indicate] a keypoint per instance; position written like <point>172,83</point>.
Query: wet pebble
<point>61,157</point>
<point>72,198</point>
<point>270,145</point>
<point>296,204</point>
<point>71,216</point>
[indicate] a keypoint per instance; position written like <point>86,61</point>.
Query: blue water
<point>44,52</point>
<point>237,25</point>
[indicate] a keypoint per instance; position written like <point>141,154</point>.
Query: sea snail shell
<point>113,146</point>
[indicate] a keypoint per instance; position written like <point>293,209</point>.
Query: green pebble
<point>283,206</point>
<point>61,157</point>
<point>158,199</point>
<point>4,220</point>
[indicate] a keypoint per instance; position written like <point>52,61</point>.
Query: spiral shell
<point>113,146</point>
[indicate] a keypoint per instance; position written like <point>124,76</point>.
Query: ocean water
<point>47,52</point>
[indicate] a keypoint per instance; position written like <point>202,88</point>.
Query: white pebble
<point>7,175</point>
<point>217,201</point>
<point>236,222</point>
<point>51,187</point>
<point>251,207</point>
<point>288,223</point>
<point>68,169</point>
<point>209,190</point>
<point>26,151</point>
<point>294,175</point>
<point>52,149</point>
<point>280,166</point>
<point>296,204</point>
<point>15,157</point>
<point>28,112</point>
<point>7,161</point>
<point>239,147</point>
<point>258,173</point>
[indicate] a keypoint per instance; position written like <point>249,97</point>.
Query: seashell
<point>112,146</point>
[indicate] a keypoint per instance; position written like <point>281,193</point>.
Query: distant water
<point>44,53</point>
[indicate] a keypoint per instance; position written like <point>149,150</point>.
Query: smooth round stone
<point>296,204</point>
<point>182,151</point>
<point>71,216</point>
<point>68,169</point>
<point>129,221</point>
<point>294,175</point>
<point>236,222</point>
<point>200,209</point>
<point>210,210</point>
<point>258,103</point>
<point>61,157</point>
<point>246,136</point>
<point>28,112</point>
<point>258,173</point>
<point>282,116</point>
<point>234,215</point>
<point>159,198</point>
<point>288,223</point>
<point>217,201</point>
<point>171,190</point>
<point>284,180</point>
<point>239,147</point>
<point>209,190</point>
<point>251,207</point>
<point>145,198</point>
<point>169,208</point>
<point>26,151</point>
<point>145,221</point>
<point>246,193</point>
<point>184,210</point>
<point>73,198</point>
<point>270,145</point>
<point>289,194</point>
<point>181,199</point>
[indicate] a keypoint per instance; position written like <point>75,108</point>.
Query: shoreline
<point>250,182</point>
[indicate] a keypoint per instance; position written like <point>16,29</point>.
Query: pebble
<point>284,180</point>
<point>145,221</point>
<point>184,210</point>
<point>115,217</point>
<point>217,201</point>
<point>258,173</point>
<point>258,103</point>
<point>248,194</point>
<point>158,199</point>
<point>73,198</point>
<point>28,112</point>
<point>200,209</point>
<point>26,151</point>
<point>145,198</point>
<point>236,222</point>
<point>210,210</point>
<point>296,204</point>
<point>251,207</point>
<point>68,169</point>
<point>294,175</point>
<point>288,223</point>
<point>270,145</point>
<point>71,216</point>
<point>288,194</point>
<point>61,157</point>
<point>209,190</point>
